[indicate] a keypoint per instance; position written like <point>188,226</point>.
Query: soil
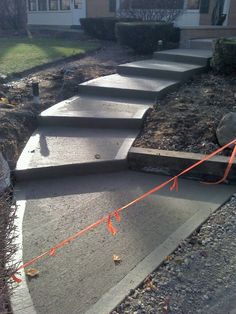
<point>186,120</point>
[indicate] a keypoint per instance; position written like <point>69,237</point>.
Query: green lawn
<point>22,53</point>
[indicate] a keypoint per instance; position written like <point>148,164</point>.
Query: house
<point>194,13</point>
<point>68,12</point>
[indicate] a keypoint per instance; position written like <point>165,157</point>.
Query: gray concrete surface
<point>51,147</point>
<point>195,56</point>
<point>95,112</point>
<point>82,272</point>
<point>160,69</point>
<point>128,86</point>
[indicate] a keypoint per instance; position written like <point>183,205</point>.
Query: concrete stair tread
<point>94,107</point>
<point>58,146</point>
<point>187,52</point>
<point>162,65</point>
<point>130,83</point>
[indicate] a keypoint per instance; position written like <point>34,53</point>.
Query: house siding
<point>99,8</point>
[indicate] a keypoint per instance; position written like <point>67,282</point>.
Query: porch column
<point>227,11</point>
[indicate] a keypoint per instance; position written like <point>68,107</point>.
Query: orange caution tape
<point>230,163</point>
<point>16,279</point>
<point>110,227</point>
<point>117,216</point>
<point>107,219</point>
<point>175,185</point>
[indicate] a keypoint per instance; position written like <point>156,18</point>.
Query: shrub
<point>224,57</point>
<point>102,27</point>
<point>143,37</point>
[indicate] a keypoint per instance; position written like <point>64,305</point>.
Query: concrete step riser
<point>200,45</point>
<point>70,170</point>
<point>165,74</point>
<point>126,93</point>
<point>181,58</point>
<point>90,122</point>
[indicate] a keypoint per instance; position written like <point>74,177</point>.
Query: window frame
<point>60,6</point>
<point>49,6</point>
<point>38,1</point>
<point>29,5</point>
<point>193,9</point>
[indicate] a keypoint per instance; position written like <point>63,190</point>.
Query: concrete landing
<point>83,272</point>
<point>195,56</point>
<point>57,151</point>
<point>95,112</point>
<point>128,86</point>
<point>160,69</point>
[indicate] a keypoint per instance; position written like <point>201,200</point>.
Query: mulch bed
<point>186,120</point>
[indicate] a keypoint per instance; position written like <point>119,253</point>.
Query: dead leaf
<point>116,259</point>
<point>32,272</point>
<point>148,284</point>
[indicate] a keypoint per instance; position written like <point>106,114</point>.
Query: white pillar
<point>226,11</point>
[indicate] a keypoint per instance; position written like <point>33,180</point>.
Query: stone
<point>226,131</point>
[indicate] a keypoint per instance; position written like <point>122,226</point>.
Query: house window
<point>32,5</point>
<point>112,6</point>
<point>53,5</point>
<point>78,4</point>
<point>64,4</point>
<point>42,5</point>
<point>193,4</point>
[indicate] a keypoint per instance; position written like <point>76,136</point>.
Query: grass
<point>18,54</point>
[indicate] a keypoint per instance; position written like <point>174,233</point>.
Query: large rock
<point>226,131</point>
<point>4,174</point>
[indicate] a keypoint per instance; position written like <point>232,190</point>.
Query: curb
<point>116,295</point>
<point>172,162</point>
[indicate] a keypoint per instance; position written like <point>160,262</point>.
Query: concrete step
<point>160,69</point>
<point>60,151</point>
<point>116,85</point>
<point>193,56</point>
<point>95,113</point>
<point>203,44</point>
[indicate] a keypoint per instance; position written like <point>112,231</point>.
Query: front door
<point>79,10</point>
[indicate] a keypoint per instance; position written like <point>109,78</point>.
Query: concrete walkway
<point>73,171</point>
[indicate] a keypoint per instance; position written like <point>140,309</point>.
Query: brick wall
<point>98,8</point>
<point>232,14</point>
<point>205,32</point>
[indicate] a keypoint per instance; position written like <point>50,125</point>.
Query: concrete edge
<point>21,296</point>
<point>173,162</point>
<point>111,299</point>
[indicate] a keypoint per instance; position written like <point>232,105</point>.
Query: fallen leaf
<point>148,283</point>
<point>32,272</point>
<point>116,259</point>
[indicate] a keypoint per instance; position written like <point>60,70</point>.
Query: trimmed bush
<point>224,57</point>
<point>102,27</point>
<point>143,37</point>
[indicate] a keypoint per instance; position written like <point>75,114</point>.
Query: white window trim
<point>49,11</point>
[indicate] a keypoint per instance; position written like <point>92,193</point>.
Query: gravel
<point>199,277</point>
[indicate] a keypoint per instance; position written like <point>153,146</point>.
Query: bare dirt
<point>186,120</point>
